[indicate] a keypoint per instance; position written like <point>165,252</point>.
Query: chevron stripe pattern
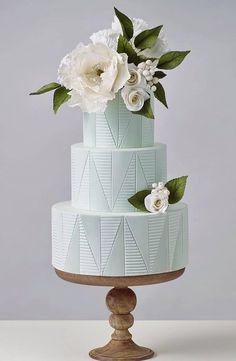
<point>117,127</point>
<point>103,180</point>
<point>119,245</point>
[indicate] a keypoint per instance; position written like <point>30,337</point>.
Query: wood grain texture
<point>121,301</point>
<point>120,281</point>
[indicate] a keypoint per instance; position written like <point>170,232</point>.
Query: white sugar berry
<point>150,83</point>
<point>148,62</point>
<point>145,72</point>
<point>141,65</point>
<point>155,80</point>
<point>153,88</point>
<point>149,78</point>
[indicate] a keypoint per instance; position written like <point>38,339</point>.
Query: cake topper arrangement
<point>129,57</point>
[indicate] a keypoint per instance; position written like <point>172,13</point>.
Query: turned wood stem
<point>121,301</point>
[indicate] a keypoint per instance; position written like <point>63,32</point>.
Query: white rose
<point>108,37</point>
<point>136,78</point>
<point>94,73</point>
<point>157,201</point>
<point>134,98</point>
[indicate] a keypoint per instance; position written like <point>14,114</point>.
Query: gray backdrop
<point>199,129</point>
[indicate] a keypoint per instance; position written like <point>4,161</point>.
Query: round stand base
<point>121,350</point>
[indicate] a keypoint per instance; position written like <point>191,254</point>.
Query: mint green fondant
<point>117,127</point>
<point>104,179</point>
<point>100,232</point>
<point>119,244</point>
<point>112,230</point>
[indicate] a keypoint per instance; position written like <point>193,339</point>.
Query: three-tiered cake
<point>115,224</point>
<point>99,232</point>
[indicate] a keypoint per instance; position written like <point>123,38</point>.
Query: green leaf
<point>172,59</point>
<point>144,58</point>
<point>125,47</point>
<point>126,24</point>
<point>46,88</point>
<point>146,110</point>
<point>138,199</point>
<point>60,97</point>
<point>147,38</point>
<point>176,187</point>
<point>160,94</point>
<point>160,74</point>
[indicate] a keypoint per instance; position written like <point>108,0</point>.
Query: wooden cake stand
<point>120,300</point>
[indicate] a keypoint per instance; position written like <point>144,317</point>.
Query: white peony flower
<point>157,201</point>
<point>108,37</point>
<point>134,98</point>
<point>94,73</point>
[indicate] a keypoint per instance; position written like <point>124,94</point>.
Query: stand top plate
<point>120,281</point>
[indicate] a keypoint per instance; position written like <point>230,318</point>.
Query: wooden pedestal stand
<point>120,300</point>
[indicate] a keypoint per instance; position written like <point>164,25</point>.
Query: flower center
<point>133,78</point>
<point>99,72</point>
<point>158,204</point>
<point>94,75</point>
<point>135,99</point>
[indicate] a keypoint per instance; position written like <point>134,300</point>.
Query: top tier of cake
<point>117,127</point>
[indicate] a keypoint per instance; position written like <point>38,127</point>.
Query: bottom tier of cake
<point>119,244</point>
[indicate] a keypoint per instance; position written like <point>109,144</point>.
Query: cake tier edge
<point>119,244</point>
<point>117,127</point>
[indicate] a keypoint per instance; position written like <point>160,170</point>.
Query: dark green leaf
<point>126,24</point>
<point>172,59</point>
<point>176,187</point>
<point>138,199</point>
<point>147,38</point>
<point>160,74</point>
<point>125,47</point>
<point>160,94</point>
<point>46,88</point>
<point>146,110</point>
<point>60,97</point>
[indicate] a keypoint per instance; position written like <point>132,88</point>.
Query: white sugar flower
<point>108,37</point>
<point>139,25</point>
<point>136,78</point>
<point>160,47</point>
<point>157,201</point>
<point>134,98</point>
<point>94,73</point>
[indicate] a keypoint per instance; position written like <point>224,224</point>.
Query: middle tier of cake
<point>104,179</point>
